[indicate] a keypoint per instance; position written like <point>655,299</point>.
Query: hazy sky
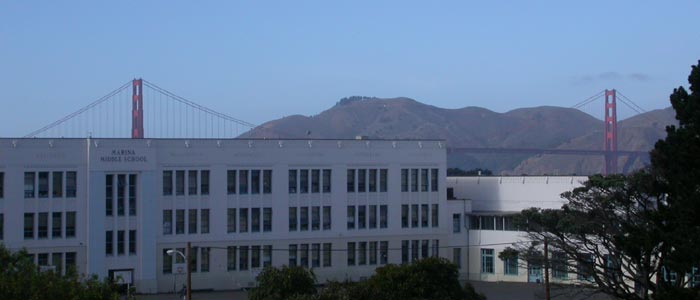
<point>262,60</point>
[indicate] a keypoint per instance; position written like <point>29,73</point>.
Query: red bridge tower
<point>610,133</point>
<point>137,109</point>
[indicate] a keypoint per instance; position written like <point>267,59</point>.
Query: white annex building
<point>342,207</point>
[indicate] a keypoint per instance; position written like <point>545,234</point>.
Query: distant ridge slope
<point>535,127</point>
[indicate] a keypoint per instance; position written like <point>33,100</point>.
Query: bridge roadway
<point>534,151</point>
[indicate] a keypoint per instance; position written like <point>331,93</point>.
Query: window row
<point>50,183</point>
<point>306,181</point>
<point>299,255</point>
<point>365,216</point>
<point>2,227</point>
<point>121,240</point>
<point>248,257</point>
<point>419,215</point>
<point>120,187</point>
<point>243,217</point>
<point>36,225</point>
<point>188,217</point>
<point>175,260</point>
<point>244,181</point>
<point>365,180</point>
<point>299,218</point>
<point>368,253</point>
<point>424,182</point>
<point>506,223</point>
<point>58,262</point>
<point>197,182</point>
<point>2,185</point>
<point>418,249</point>
<point>559,265</point>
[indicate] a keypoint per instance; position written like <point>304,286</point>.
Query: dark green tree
<point>284,283</point>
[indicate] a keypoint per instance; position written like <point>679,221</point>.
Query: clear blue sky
<point>262,60</point>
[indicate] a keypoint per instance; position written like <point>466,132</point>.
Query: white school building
<point>341,207</point>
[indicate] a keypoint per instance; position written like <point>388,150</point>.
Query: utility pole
<point>546,271</point>
<point>189,271</point>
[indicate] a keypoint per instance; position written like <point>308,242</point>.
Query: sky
<point>262,60</point>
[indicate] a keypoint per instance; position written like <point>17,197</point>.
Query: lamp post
<point>189,272</point>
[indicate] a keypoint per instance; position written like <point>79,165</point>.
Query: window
<point>255,257</point>
<point>132,194</point>
<point>383,174</point>
<point>57,185</point>
<point>315,181</point>
<point>267,255</point>
<point>56,225</point>
<point>327,254</point>
<point>304,181</point>
<point>255,219</point>
<point>71,184</point>
<point>304,218</point>
<point>205,220</point>
<point>267,219</point>
<point>243,258</point>
<point>28,226</point>
<point>487,222</point>
<point>120,242</point>
<point>585,267</point>
<point>243,220</point>
<point>474,223</point>
<point>179,221</point>
<point>404,180</point>
<point>361,180</point>
<point>372,180</point>
<point>434,180</point>
<point>383,215</point>
<point>351,253</point>
<point>231,258</point>
<point>180,183</point>
<point>414,215</point>
<point>292,255</point>
<point>456,223</point>
<point>204,184</point>
<point>361,217</point>
<point>192,182</point>
<point>414,250</point>
<point>351,180</point>
<point>70,262</point>
<point>70,224</point>
<point>404,215</point>
<point>559,269</point>
<point>327,181</point>
<point>414,180</point>
<point>2,227</point>
<point>204,264</point>
<point>109,242</point>
<point>192,221</point>
<point>267,181</point>
<point>231,182</point>
<point>316,218</point>
<point>509,223</point>
<point>436,248</point>
<point>43,259</point>
<point>304,255</point>
<point>451,194</point>
<point>424,248</point>
<point>132,242</point>
<point>424,215</point>
<point>121,186</point>
<point>167,222</point>
<point>372,253</point>
<point>510,266</point>
<point>362,251</point>
<point>326,218</point>
<point>43,184</point>
<point>292,219</point>
<point>243,182</point>
<point>109,195</point>
<point>424,180</point>
<point>255,181</point>
<point>315,255</point>
<point>231,220</point>
<point>43,225</point>
<point>499,222</point>
<point>457,257</point>
<point>2,185</point>
<point>372,216</point>
<point>193,259</point>
<point>487,261</point>
<point>29,178</point>
<point>292,181</point>
<point>351,217</point>
<point>167,183</point>
<point>404,252</point>
<point>435,220</point>
<point>383,252</point>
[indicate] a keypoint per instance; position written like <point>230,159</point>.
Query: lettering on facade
<point>123,156</point>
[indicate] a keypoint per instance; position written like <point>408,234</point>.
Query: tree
<point>284,283</point>
<point>20,279</point>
